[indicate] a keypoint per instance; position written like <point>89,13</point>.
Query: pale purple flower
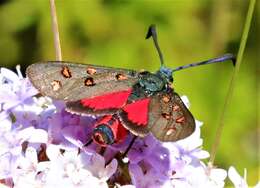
<point>148,178</point>
<point>64,169</point>
<point>29,171</point>
<point>14,90</point>
<point>6,125</point>
<point>237,180</point>
<point>57,126</point>
<point>11,147</point>
<point>142,148</point>
<point>42,145</point>
<point>74,169</point>
<point>199,176</point>
<point>70,130</point>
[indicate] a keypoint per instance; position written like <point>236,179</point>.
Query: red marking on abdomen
<point>120,132</point>
<point>113,122</point>
<point>137,112</point>
<point>109,100</point>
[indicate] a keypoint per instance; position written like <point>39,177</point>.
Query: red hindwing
<point>137,112</point>
<point>107,101</point>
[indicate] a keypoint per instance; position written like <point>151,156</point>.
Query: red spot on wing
<point>137,112</point>
<point>109,100</point>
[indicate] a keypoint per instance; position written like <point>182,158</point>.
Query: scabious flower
<point>237,180</point>
<point>14,90</point>
<point>67,169</point>
<point>42,145</point>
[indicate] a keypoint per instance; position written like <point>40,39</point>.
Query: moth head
<point>166,73</point>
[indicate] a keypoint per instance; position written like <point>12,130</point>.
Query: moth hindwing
<point>168,118</point>
<point>163,114</point>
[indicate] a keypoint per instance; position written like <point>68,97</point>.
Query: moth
<point>124,100</point>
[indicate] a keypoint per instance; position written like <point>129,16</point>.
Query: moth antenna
<point>152,33</point>
<point>223,58</point>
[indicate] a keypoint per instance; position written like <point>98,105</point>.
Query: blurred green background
<point>112,33</point>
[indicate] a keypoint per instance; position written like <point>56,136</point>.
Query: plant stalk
<point>232,82</point>
<point>55,31</point>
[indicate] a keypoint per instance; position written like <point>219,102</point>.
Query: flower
<point>237,180</point>
<point>77,169</point>
<point>63,169</point>
<point>149,177</point>
<point>14,90</point>
<point>42,145</point>
<point>199,176</point>
<point>70,130</point>
<point>11,147</point>
<point>29,171</point>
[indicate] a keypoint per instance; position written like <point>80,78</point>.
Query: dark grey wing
<point>70,82</point>
<point>168,119</point>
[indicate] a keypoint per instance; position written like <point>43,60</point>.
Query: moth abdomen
<point>109,130</point>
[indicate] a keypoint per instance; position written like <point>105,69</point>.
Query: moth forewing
<point>71,82</point>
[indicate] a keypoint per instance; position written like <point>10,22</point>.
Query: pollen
<point>91,71</point>
<point>56,85</point>
<point>66,72</point>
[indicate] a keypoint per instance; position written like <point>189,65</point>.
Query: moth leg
<point>126,151</point>
<point>102,150</point>
<point>129,146</point>
<point>88,143</point>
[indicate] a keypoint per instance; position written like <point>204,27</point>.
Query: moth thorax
<point>151,82</point>
<point>109,130</point>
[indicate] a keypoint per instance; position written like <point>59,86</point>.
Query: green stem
<point>232,83</point>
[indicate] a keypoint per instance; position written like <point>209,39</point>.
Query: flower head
<point>237,180</point>
<point>42,145</point>
<point>14,89</point>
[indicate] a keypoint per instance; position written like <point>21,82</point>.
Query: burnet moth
<point>124,100</point>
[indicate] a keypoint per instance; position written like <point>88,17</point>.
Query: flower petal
<point>236,179</point>
<point>33,135</point>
